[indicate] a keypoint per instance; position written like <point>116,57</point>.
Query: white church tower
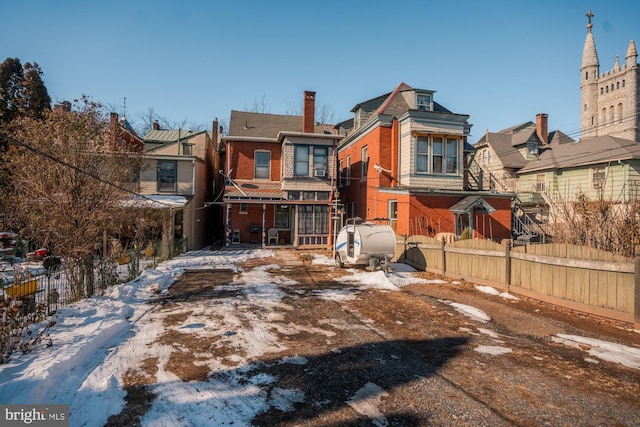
<point>611,100</point>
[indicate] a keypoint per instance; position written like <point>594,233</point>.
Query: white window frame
<point>446,157</point>
<point>256,165</point>
<point>420,104</point>
<point>598,177</point>
<point>280,212</point>
<point>348,172</point>
<point>364,162</point>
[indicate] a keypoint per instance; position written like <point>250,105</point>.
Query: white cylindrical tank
<point>358,243</point>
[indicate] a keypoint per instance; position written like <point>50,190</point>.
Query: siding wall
<point>149,176</point>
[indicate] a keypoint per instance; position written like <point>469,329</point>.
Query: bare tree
<point>149,117</point>
<point>601,223</point>
<point>67,186</point>
<point>258,105</point>
<point>323,113</point>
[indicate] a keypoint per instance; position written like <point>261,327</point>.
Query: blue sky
<point>501,62</point>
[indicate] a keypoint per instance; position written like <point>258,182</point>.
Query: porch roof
<point>469,203</point>
<point>254,189</point>
<point>157,201</point>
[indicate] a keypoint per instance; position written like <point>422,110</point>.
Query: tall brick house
<point>403,162</point>
<point>280,178</point>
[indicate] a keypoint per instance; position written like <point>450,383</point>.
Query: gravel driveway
<point>408,357</point>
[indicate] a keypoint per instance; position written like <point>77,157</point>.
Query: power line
<point>77,169</point>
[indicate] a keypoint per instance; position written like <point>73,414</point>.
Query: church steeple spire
<point>632,54</point>
<point>589,53</point>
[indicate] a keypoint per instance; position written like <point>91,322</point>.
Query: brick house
<point>403,162</point>
<point>280,178</point>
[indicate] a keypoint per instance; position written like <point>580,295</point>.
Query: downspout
<point>191,240</point>
<point>331,210</point>
<point>229,229</point>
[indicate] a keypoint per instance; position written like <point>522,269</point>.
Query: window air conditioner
<point>597,185</point>
<point>319,173</point>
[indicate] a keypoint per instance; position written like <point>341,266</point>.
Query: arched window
<point>617,85</point>
<point>607,89</point>
<point>611,115</point>
<point>586,75</point>
<point>620,113</point>
<point>622,83</point>
<point>611,87</point>
<point>601,91</point>
<point>585,107</point>
<point>604,117</point>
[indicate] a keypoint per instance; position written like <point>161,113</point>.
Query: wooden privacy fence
<point>576,277</point>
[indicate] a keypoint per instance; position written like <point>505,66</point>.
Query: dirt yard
<point>412,344</point>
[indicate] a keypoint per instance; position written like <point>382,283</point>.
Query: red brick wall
<point>362,191</point>
<point>241,156</point>
<point>244,221</point>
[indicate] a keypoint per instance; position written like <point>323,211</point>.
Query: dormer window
<point>423,102</point>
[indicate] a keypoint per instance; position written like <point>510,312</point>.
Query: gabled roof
<point>263,125</point>
<point>505,144</point>
<point>561,154</point>
<point>502,144</point>
<point>469,203</point>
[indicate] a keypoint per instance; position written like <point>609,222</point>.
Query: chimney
<point>542,127</point>
<point>113,130</point>
<point>214,132</point>
<point>309,112</point>
<point>62,107</point>
<point>156,125</point>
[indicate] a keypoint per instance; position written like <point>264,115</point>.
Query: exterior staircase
<point>529,218</point>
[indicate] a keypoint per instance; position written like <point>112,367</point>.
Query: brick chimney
<point>214,132</point>
<point>62,107</point>
<point>156,125</point>
<point>309,112</point>
<point>542,127</point>
<point>113,130</point>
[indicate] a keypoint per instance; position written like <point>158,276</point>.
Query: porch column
<point>295,225</point>
<point>264,223</point>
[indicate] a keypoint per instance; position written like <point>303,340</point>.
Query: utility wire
<point>77,169</point>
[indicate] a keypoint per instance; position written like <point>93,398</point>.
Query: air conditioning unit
<point>319,173</point>
<point>597,185</point>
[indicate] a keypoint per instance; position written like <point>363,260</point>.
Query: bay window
<point>436,155</point>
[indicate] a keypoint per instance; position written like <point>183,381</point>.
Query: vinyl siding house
<point>602,167</point>
<point>176,177</point>
<point>280,178</point>
<point>404,162</point>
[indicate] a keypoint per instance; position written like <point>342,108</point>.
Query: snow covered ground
<point>96,341</point>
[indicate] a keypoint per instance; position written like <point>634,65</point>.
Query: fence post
<point>48,292</point>
<point>444,257</point>
<point>507,262</point>
<point>636,290</point>
<point>404,253</point>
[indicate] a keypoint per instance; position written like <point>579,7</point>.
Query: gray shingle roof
<point>262,125</point>
<point>563,154</point>
<point>469,203</point>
